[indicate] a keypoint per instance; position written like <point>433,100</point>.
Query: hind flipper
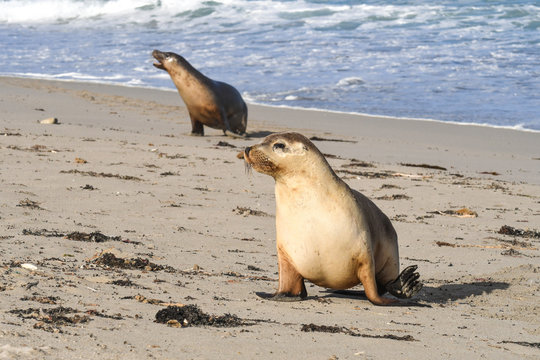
<point>406,285</point>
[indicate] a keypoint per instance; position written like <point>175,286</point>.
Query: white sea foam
<point>54,10</point>
<point>166,11</point>
<point>350,81</point>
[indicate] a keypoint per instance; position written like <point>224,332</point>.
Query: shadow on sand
<point>258,134</point>
<point>432,294</point>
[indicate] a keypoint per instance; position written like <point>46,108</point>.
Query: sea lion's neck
<point>184,74</point>
<point>311,179</point>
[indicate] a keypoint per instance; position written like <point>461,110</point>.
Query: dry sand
<point>118,183</point>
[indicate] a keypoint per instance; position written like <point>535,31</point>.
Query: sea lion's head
<point>285,154</point>
<point>167,60</point>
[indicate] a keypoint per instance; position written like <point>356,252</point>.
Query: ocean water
<point>467,61</point>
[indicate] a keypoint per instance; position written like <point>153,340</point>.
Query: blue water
<point>470,61</point>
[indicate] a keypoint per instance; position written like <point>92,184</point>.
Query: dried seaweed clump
<point>95,236</point>
<point>322,328</point>
<point>394,197</point>
<point>53,319</point>
<point>244,211</point>
<point>31,204</point>
<point>508,230</point>
<point>192,315</point>
<point>108,259</point>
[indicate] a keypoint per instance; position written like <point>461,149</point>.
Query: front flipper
<point>227,131</point>
<point>234,135</point>
<point>197,128</point>
<point>225,120</point>
<point>284,296</point>
<point>291,283</point>
<point>406,285</point>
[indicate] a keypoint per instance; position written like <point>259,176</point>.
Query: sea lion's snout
<point>160,57</point>
<point>258,158</point>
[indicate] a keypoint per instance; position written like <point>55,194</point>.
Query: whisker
<point>249,168</point>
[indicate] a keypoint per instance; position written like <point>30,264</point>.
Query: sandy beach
<point>115,217</point>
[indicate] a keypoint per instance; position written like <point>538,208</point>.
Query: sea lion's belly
<point>323,248</point>
<point>208,114</point>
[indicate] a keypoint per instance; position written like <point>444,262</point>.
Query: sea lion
<point>209,102</point>
<point>326,232</point>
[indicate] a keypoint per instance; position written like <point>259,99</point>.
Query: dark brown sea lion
<point>209,102</point>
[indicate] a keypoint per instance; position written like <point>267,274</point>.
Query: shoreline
<point>116,213</point>
<point>105,83</point>
<point>406,141</point>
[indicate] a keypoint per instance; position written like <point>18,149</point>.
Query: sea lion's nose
<point>247,150</point>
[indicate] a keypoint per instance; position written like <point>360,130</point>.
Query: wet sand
<point>116,214</point>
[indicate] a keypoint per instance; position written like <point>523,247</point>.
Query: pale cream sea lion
<point>209,102</point>
<point>326,232</point>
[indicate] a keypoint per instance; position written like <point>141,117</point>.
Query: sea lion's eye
<point>280,146</point>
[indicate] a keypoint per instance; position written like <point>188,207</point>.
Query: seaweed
<point>104,175</point>
<point>226,144</point>
<point>33,148</point>
<point>192,315</point>
<point>394,197</point>
<point>95,236</point>
<point>123,282</point>
<point>509,230</point>
<point>42,299</point>
<point>368,174</point>
<point>254,268</point>
<point>522,343</point>
<point>247,211</point>
<point>43,232</point>
<point>358,163</point>
<point>52,319</point>
<point>7,133</point>
<point>425,166</point>
<point>341,329</point>
<point>316,138</point>
<point>322,328</point>
<point>175,156</point>
<point>109,260</point>
<point>390,186</point>
<point>30,204</point>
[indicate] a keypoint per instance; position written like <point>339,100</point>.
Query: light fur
<point>326,232</point>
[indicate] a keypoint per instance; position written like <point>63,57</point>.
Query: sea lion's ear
<point>299,148</point>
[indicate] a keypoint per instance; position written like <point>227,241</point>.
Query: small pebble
<point>29,267</point>
<point>51,120</point>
